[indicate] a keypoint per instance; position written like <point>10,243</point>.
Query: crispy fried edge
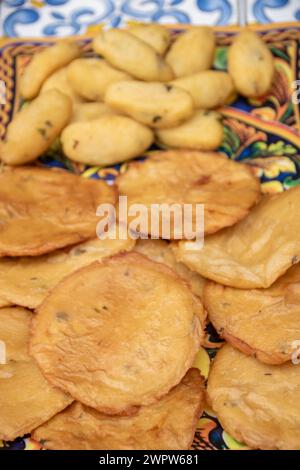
<point>241,345</point>
<point>197,414</point>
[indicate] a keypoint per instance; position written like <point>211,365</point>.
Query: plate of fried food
<point>150,341</point>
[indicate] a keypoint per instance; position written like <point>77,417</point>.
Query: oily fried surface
<point>4,302</point>
<point>166,424</point>
<point>104,333</point>
<point>262,322</point>
<point>254,252</point>
<point>42,210</point>
<point>26,398</point>
<point>27,281</point>
<point>14,332</point>
<point>160,251</point>
<point>226,188</point>
<point>256,403</point>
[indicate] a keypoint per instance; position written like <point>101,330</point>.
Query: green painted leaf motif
<point>258,149</point>
<point>288,112</point>
<point>289,182</point>
<point>280,148</point>
<point>232,443</point>
<point>280,53</point>
<point>261,149</point>
<point>220,62</point>
<point>232,138</point>
<point>231,142</point>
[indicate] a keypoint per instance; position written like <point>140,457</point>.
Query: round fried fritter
<point>42,209</point>
<point>254,252</point>
<point>160,251</point>
<point>256,403</point>
<point>27,281</point>
<point>264,323</point>
<point>166,424</point>
<point>118,333</point>
<point>27,400</point>
<point>226,188</point>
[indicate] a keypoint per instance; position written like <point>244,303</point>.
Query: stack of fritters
<point>99,336</point>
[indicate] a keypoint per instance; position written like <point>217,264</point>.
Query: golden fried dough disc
<point>254,252</point>
<point>27,400</point>
<point>226,188</point>
<point>256,403</point>
<point>118,333</point>
<point>42,209</point>
<point>160,251</point>
<point>166,424</point>
<point>262,322</point>
<point>27,281</point>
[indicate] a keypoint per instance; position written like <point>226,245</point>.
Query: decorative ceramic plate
<point>264,133</point>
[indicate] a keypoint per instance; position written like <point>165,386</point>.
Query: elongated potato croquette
<point>90,111</point>
<point>153,34</point>
<point>90,77</point>
<point>43,64</point>
<point>192,52</point>
<point>251,64</point>
<point>105,141</point>
<point>154,104</point>
<point>129,53</point>
<point>59,81</point>
<point>209,89</point>
<point>204,131</point>
<point>35,127</point>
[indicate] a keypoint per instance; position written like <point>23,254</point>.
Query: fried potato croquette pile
<point>101,337</point>
<point>157,89</point>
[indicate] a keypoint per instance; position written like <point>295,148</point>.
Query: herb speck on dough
<point>43,132</point>
<point>156,119</point>
<point>62,316</point>
<point>78,251</point>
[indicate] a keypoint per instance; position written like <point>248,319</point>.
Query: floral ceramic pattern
<point>268,11</point>
<point>65,17</point>
<point>263,133</point>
